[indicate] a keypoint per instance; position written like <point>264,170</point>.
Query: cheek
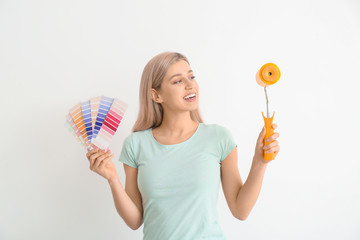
<point>175,96</point>
<point>197,85</point>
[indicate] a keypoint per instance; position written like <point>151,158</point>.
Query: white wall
<point>54,54</point>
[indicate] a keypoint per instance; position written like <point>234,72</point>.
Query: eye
<point>192,77</point>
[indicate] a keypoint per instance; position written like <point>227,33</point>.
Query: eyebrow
<point>179,74</point>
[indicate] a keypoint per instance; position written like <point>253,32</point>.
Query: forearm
<point>124,205</point>
<point>249,192</point>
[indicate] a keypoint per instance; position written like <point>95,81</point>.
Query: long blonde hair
<point>150,112</point>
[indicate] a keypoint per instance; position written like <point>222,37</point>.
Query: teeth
<point>191,95</point>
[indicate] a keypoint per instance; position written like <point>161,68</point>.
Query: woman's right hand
<point>100,162</point>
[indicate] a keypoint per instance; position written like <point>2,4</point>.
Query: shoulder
<point>139,134</point>
<point>216,128</point>
<point>216,131</point>
<point>222,129</point>
<point>135,137</point>
<point>223,133</point>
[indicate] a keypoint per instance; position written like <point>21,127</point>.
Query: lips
<point>190,95</point>
<point>191,98</point>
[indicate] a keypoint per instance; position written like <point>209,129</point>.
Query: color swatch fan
<point>94,122</point>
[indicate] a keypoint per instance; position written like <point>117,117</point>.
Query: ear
<point>155,96</point>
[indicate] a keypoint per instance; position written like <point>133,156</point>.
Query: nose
<point>190,83</point>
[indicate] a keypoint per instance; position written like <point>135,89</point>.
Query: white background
<point>54,54</point>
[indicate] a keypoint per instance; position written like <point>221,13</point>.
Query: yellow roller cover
<point>268,74</point>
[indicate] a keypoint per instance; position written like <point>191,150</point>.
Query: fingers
<point>274,149</point>
<point>98,158</point>
<point>274,126</point>
<point>277,149</point>
<point>276,152</point>
<point>92,151</point>
<point>93,157</point>
<point>272,137</point>
<point>262,133</point>
<point>101,159</point>
<point>106,160</point>
<point>271,146</point>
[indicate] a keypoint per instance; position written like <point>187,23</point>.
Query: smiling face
<point>179,81</point>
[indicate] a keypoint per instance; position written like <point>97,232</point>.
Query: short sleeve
<point>127,155</point>
<point>226,142</point>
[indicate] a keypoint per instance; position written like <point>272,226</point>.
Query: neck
<point>178,124</point>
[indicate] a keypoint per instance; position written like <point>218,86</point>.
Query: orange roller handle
<point>269,132</point>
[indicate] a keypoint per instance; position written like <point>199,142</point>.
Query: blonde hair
<point>150,112</point>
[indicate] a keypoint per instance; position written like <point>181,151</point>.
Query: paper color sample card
<point>75,131</point>
<point>110,124</point>
<point>77,117</point>
<point>94,105</point>
<point>86,112</point>
<point>94,122</point>
<point>104,107</point>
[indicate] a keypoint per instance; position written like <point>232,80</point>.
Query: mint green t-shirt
<point>179,183</point>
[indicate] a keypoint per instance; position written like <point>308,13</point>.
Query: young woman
<point>174,162</point>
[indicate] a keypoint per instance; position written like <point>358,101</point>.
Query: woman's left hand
<point>271,147</point>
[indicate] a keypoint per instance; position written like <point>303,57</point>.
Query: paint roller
<point>268,75</point>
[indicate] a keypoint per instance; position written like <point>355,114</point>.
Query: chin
<point>193,108</point>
